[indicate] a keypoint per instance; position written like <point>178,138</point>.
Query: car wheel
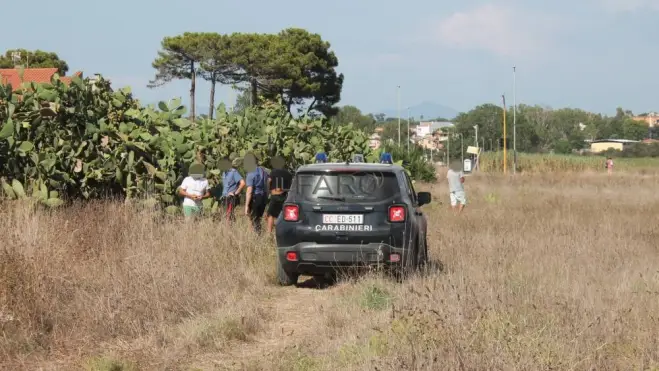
<point>285,278</point>
<point>410,260</point>
<point>422,254</point>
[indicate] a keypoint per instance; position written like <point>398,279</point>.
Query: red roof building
<point>11,76</point>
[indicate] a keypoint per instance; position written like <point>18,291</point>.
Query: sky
<point>590,54</point>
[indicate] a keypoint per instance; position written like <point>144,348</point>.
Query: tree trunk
<point>254,91</point>
<point>289,103</point>
<point>192,90</point>
<point>211,109</point>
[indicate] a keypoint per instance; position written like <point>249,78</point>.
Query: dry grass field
<point>541,272</point>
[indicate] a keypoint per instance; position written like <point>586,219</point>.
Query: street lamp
<point>398,96</point>
<point>514,120</point>
<point>462,148</point>
<point>476,129</point>
<point>448,146</point>
<point>478,148</point>
<point>408,131</point>
<point>505,159</point>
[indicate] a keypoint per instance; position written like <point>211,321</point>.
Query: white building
<point>428,127</point>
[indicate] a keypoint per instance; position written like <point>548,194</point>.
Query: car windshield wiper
<point>333,198</point>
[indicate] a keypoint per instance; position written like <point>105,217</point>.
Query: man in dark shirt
<point>279,183</point>
<point>256,196</point>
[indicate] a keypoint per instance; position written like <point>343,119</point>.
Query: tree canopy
<point>35,59</point>
<point>543,129</point>
<point>294,65</point>
<point>178,59</point>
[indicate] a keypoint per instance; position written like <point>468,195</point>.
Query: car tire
<point>285,278</point>
<point>422,254</point>
<point>410,262</point>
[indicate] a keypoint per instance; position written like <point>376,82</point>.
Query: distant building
<point>601,145</point>
<point>429,134</point>
<point>11,76</point>
<point>650,119</point>
<point>429,127</point>
<point>429,142</point>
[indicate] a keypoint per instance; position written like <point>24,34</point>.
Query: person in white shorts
<point>456,179</point>
<point>194,189</point>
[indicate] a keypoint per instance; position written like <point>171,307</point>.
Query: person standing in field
<point>256,196</point>
<point>456,179</point>
<point>194,189</point>
<point>609,165</point>
<point>232,185</point>
<point>279,183</point>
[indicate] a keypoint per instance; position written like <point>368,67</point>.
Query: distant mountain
<point>428,110</point>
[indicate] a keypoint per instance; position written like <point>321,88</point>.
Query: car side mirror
<point>423,198</point>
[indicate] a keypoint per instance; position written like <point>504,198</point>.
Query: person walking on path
<point>256,196</point>
<point>456,179</point>
<point>609,165</point>
<point>194,189</point>
<point>279,183</point>
<point>232,185</point>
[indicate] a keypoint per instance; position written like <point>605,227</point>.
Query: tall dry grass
<point>540,272</point>
<point>94,277</point>
<point>533,163</point>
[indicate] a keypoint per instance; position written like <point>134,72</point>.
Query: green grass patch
<point>375,298</point>
<point>110,364</point>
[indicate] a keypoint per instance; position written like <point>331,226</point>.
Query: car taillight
<point>396,214</point>
<point>291,213</point>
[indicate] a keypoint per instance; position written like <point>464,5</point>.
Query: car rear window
<point>337,186</point>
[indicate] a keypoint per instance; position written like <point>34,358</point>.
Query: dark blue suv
<point>350,215</point>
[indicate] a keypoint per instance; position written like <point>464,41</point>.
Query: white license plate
<point>342,219</point>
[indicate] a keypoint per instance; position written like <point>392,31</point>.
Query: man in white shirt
<point>456,180</point>
<point>194,189</point>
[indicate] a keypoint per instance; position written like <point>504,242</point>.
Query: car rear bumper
<point>319,259</point>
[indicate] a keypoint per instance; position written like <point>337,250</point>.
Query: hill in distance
<point>428,110</point>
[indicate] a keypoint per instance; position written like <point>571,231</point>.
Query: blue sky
<point>591,54</point>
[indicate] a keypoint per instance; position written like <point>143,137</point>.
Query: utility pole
<point>478,155</point>
<point>476,129</point>
<point>408,131</point>
<point>233,102</point>
<point>505,170</point>
<point>514,120</point>
<point>462,148</point>
<point>398,96</point>
<point>448,147</point>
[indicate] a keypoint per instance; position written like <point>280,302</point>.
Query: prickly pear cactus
<point>85,140</point>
